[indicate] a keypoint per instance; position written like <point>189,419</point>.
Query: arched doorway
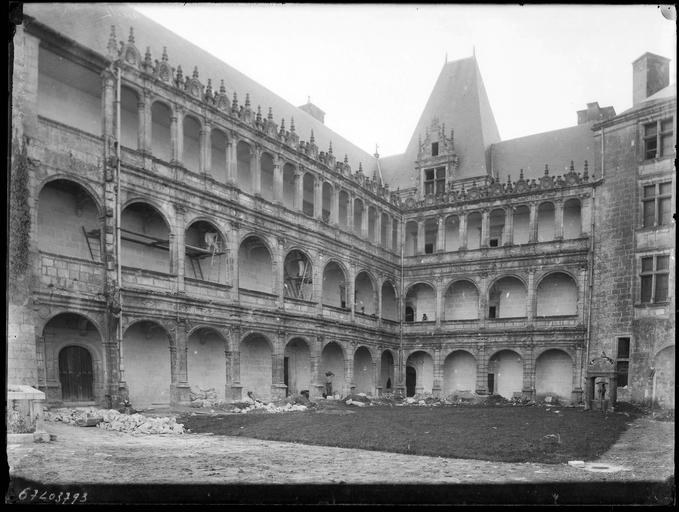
<point>297,367</point>
<point>459,372</point>
<point>554,375</point>
<point>256,370</point>
<point>411,380</point>
<point>505,374</point>
<point>75,374</point>
<point>363,371</point>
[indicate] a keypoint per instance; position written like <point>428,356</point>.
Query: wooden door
<point>75,374</point>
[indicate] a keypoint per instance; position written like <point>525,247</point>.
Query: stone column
<point>256,169</point>
<point>558,220</point>
<point>528,374</point>
<point>108,86</point>
<point>530,306</point>
<point>204,162</point>
<point>462,231</point>
<point>348,387</point>
<point>350,213</point>
<point>279,272</point>
<point>438,373</point>
<point>278,387</point>
<point>317,284</point>
<point>365,217</point>
<point>441,236</point>
<point>318,198</point>
<point>317,380</point>
<point>178,248</point>
<point>351,290</point>
<point>482,371</point>
<point>182,378</point>
<point>236,387</point>
<point>232,160</point>
<point>233,243</point>
<point>483,299</point>
<point>177,135</point>
<point>147,142</point>
<point>582,294</point>
<point>379,301</point>
<point>334,209</point>
<point>508,235</point>
<point>388,243</point>
<point>485,228</point>
<point>141,124</point>
<point>577,375</point>
<point>299,190</point>
<point>439,301</point>
<point>378,228</point>
<point>533,224</point>
<point>420,237</point>
<point>277,180</point>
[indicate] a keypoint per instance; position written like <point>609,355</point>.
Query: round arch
<point>335,284</point>
<point>419,372</point>
<point>206,360</point>
<point>461,300</point>
<point>505,373</point>
<point>554,374</point>
<point>256,368</point>
<point>459,371</point>
<point>363,370</point>
<point>556,294</point>
<point>255,264</point>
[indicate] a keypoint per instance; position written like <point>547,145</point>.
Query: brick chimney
<point>650,74</point>
<point>313,111</point>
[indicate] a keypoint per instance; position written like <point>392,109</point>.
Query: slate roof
<point>555,148</point>
<point>459,101</point>
<point>89,24</point>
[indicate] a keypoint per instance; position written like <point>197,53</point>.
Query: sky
<point>371,68</point>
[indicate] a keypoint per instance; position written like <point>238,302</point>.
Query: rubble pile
<point>359,400</point>
<point>204,398</point>
<point>110,419</point>
<point>249,404</point>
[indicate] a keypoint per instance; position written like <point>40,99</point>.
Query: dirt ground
<point>82,455</point>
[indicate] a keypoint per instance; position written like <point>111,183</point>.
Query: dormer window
<point>435,181</point>
<point>434,149</point>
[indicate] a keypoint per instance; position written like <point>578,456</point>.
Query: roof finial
<point>112,46</point>
<point>247,100</point>
<point>360,167</point>
<point>195,72</point>
<point>546,170</point>
<point>222,88</point>
<point>377,153</point>
<point>312,140</point>
<point>330,148</point>
<point>308,99</point>
<point>269,116</point>
<point>281,132</point>
<point>521,174</point>
<point>346,159</point>
<point>164,57</point>
<point>131,38</point>
<point>234,103</point>
<point>259,114</point>
<point>572,168</point>
<point>292,125</point>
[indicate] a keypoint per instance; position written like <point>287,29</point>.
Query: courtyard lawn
<point>500,433</point>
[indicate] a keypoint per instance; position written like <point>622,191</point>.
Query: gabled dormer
<point>437,161</point>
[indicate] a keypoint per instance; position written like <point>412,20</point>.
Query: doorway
<point>411,379</point>
<point>286,363</point>
<point>75,374</point>
<point>491,383</point>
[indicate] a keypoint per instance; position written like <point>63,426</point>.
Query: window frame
<point>653,274</point>
<point>657,199</point>
<point>435,185</point>
<point>657,138</point>
<point>624,360</point>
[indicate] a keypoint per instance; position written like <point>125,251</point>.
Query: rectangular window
<point>622,361</point>
<point>655,276</point>
<point>658,139</point>
<point>657,204</point>
<point>435,181</point>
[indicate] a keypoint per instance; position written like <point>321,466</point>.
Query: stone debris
<point>110,419</point>
<point>204,397</point>
<point>248,405</point>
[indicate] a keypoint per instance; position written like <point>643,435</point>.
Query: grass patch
<point>508,434</point>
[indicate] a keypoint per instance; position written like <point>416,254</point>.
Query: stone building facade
<point>170,231</point>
